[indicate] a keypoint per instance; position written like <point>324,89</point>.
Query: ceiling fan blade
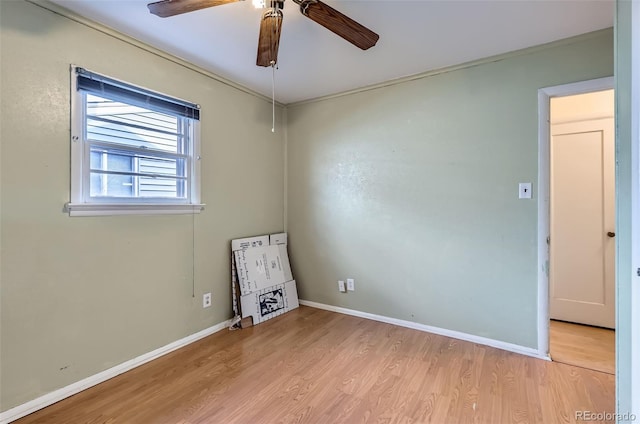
<point>166,8</point>
<point>339,23</point>
<point>269,40</point>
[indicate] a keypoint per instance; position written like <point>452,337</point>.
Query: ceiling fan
<point>271,23</point>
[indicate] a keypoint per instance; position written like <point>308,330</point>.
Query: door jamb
<point>633,330</point>
<point>544,148</point>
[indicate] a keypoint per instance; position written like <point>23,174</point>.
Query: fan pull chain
<point>273,96</point>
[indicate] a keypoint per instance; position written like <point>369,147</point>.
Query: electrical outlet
<point>206,300</point>
<point>341,286</point>
<point>351,284</point>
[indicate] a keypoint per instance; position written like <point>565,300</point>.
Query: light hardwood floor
<point>314,366</point>
<point>583,346</point>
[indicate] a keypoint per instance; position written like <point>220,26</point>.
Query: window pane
<point>111,185</point>
<point>160,166</point>
<point>105,160</point>
<point>115,122</point>
<point>116,185</point>
<point>149,176</point>
<point>109,161</point>
<point>96,160</point>
<point>162,187</point>
<point>122,161</point>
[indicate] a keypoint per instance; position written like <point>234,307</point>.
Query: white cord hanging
<point>273,96</point>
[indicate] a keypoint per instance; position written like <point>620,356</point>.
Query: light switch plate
<point>341,286</point>
<point>524,190</point>
<point>351,285</point>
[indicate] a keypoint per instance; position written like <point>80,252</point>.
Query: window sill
<point>97,209</point>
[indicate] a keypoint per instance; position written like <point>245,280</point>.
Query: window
<point>132,150</point>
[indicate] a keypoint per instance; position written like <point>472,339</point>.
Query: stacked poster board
<point>262,285</point>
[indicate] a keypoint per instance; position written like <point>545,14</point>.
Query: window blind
<point>117,90</point>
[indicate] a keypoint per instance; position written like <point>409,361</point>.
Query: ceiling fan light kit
<point>271,23</point>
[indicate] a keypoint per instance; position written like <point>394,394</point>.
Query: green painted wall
<point>411,189</point>
<point>80,295</point>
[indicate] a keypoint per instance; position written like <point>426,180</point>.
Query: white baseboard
<point>435,330</point>
<point>70,390</point>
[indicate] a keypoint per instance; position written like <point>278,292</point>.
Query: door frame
<point>544,177</point>
<point>632,338</point>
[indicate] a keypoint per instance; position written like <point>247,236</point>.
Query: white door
<point>582,243</point>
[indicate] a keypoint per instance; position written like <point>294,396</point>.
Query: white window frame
<point>82,204</point>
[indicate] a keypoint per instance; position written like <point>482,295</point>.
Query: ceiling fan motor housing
<point>304,5</point>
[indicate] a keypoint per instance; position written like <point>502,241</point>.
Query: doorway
<point>582,209</point>
<point>582,230</point>
<point>576,239</point>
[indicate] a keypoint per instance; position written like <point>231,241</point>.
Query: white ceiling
<point>415,36</point>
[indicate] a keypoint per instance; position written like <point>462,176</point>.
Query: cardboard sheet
<point>269,302</point>
<point>262,267</point>
<point>262,283</point>
<point>249,242</point>
<point>280,238</point>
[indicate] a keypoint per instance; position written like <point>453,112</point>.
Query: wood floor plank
<point>583,346</point>
<point>315,366</point>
